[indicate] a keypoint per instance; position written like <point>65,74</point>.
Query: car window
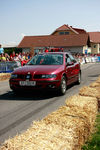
<point>72,58</point>
<point>68,59</point>
<point>47,59</point>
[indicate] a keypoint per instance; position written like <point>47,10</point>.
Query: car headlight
<point>49,76</point>
<point>14,76</point>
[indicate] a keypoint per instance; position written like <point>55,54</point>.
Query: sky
<point>19,18</point>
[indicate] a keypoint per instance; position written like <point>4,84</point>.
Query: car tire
<point>79,78</point>
<point>63,86</point>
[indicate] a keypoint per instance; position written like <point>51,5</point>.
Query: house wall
<point>86,49</point>
<point>95,48</point>
<point>26,50</point>
<point>78,49</point>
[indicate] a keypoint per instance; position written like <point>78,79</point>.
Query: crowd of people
<point>89,58</point>
<point>22,57</point>
<point>25,57</point>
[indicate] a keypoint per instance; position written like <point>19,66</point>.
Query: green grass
<point>94,142</point>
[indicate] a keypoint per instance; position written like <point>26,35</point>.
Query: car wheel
<point>63,86</point>
<point>79,78</point>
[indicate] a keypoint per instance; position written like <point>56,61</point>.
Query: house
<point>70,39</point>
<point>95,42</point>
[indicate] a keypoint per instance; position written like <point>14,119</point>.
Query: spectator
<point>7,57</point>
<point>3,58</point>
<point>20,56</point>
<point>12,56</point>
<point>16,58</point>
<point>0,57</point>
<point>46,50</point>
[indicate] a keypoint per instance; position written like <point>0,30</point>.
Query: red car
<point>52,70</point>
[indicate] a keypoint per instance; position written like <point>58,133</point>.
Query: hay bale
<point>98,80</point>
<point>95,85</point>
<point>4,76</point>
<point>88,104</point>
<point>85,107</point>
<point>89,91</point>
<point>65,113</point>
<point>42,137</point>
<point>73,117</point>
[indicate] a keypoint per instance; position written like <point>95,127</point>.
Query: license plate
<point>27,83</point>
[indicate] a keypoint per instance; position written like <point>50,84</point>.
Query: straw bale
<point>4,76</point>
<point>65,113</point>
<point>67,118</point>
<point>89,91</point>
<point>88,104</point>
<point>43,137</point>
<point>98,80</point>
<point>84,107</point>
<point>95,84</point>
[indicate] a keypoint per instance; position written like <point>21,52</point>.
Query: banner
<point>9,66</point>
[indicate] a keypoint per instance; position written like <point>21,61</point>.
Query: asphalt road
<point>18,112</point>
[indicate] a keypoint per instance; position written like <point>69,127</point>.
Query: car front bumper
<point>43,84</point>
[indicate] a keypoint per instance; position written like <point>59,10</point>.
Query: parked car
<point>52,70</point>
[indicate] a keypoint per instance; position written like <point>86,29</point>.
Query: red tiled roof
<point>94,37</point>
<point>54,40</point>
<point>80,31</point>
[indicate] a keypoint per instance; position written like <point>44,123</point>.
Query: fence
<point>10,66</point>
<point>89,59</point>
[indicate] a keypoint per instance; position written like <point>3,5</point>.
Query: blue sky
<point>42,17</point>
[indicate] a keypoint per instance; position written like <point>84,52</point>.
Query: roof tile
<point>94,37</point>
<point>54,40</point>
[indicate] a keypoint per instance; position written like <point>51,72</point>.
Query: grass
<point>94,141</point>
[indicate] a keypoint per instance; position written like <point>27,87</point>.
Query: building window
<point>61,33</point>
<point>66,33</point>
<point>94,46</point>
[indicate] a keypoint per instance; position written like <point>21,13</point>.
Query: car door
<point>69,69</point>
<point>76,68</point>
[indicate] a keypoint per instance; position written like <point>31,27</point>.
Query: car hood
<point>39,69</point>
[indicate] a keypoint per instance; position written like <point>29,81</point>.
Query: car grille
<point>37,76</point>
<point>21,76</point>
<point>24,76</point>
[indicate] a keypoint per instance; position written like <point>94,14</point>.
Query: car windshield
<point>47,59</point>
